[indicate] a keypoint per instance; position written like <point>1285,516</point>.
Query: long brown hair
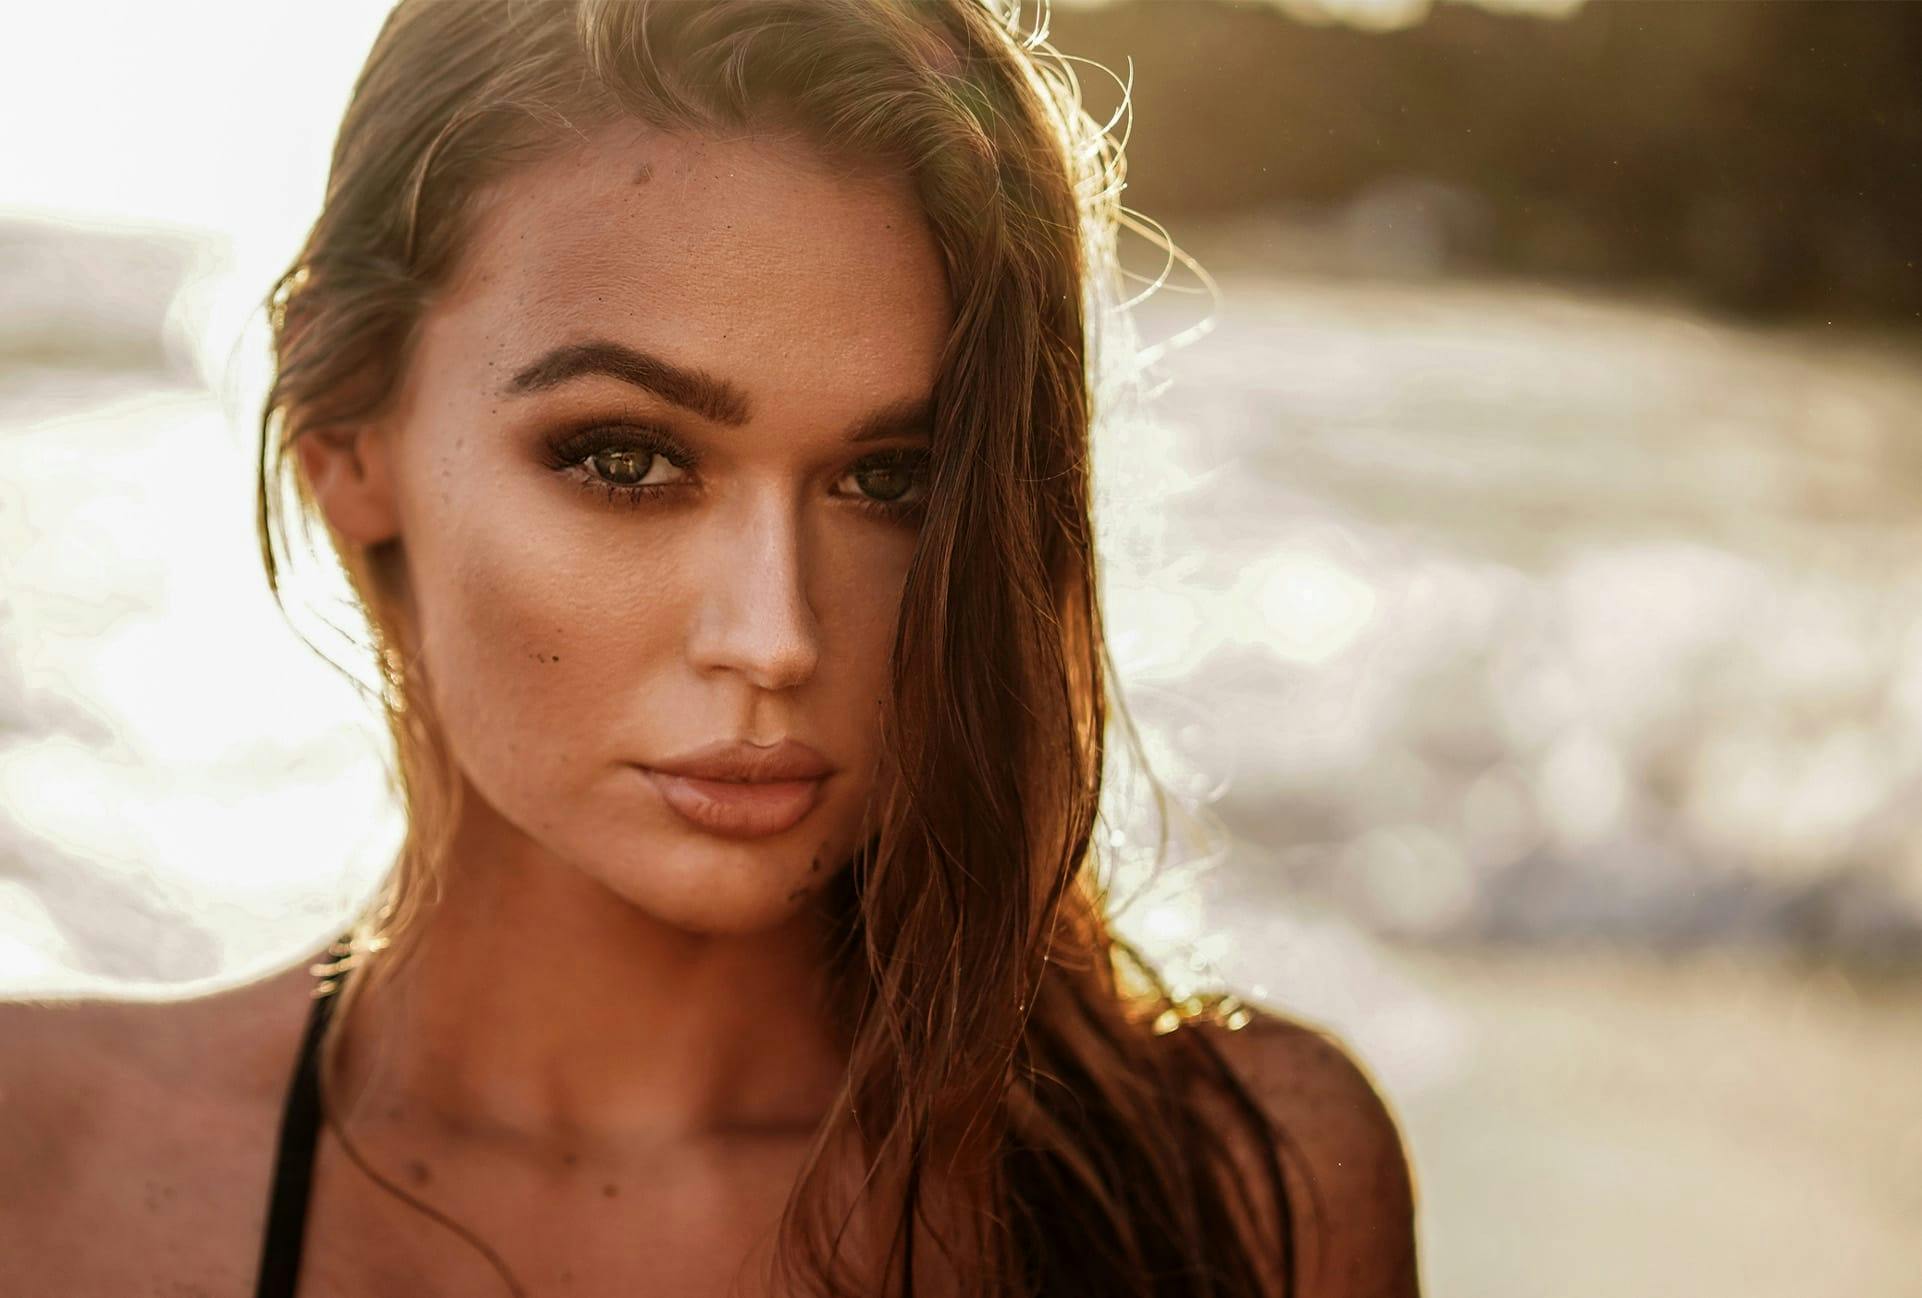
<point>1005,1043</point>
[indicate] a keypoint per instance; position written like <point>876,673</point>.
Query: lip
<point>738,760</point>
<point>742,790</point>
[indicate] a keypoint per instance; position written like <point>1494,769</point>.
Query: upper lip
<point>742,762</point>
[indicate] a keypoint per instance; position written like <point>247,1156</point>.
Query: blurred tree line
<point>1764,157</point>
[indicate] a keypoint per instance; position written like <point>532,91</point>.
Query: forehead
<point>752,251</point>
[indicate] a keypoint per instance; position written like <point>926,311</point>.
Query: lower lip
<point>737,810</point>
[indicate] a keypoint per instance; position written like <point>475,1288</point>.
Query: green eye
<point>894,483</point>
<point>887,482</point>
<point>616,459</point>
<point>623,468</point>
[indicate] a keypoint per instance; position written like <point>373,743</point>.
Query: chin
<point>743,918</point>
<point>734,891</point>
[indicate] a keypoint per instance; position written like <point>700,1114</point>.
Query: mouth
<point>737,808</point>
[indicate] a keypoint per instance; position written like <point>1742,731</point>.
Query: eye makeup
<point>614,459</point>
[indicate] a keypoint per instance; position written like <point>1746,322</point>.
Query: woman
<point>697,397</point>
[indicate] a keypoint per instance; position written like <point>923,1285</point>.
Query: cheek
<point>861,604</point>
<point>533,643</point>
<point>857,597</point>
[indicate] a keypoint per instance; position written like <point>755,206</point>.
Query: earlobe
<point>347,469</point>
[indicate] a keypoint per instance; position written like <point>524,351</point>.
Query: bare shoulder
<point>74,1052</point>
<point>121,1119</point>
<point>1343,1157</point>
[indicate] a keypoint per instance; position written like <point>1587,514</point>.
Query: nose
<point>755,618</point>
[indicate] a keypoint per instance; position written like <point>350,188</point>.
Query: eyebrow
<point>695,389</point>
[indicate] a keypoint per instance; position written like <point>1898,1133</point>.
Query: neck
<point>540,1011</point>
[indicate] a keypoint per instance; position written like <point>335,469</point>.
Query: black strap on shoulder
<point>294,1162</point>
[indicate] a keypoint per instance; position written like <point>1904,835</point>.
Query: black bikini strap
<point>294,1162</point>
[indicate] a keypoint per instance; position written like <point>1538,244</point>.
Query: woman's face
<point>633,517</point>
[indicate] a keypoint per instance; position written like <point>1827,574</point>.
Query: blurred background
<point>1511,575</point>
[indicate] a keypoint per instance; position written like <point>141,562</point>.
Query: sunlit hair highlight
<point>1028,1122</point>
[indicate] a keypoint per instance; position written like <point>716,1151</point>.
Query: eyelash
<point>574,450</point>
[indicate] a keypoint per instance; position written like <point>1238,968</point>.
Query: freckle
<point>570,1158</point>
<point>418,1172</point>
<point>611,1191</point>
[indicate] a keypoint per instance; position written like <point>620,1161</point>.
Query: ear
<point>347,467</point>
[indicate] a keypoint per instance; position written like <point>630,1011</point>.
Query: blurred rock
<point>1763,155</point>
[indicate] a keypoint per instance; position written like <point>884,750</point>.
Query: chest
<point>689,1223</point>
<point>180,1211</point>
<point>174,1203</point>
